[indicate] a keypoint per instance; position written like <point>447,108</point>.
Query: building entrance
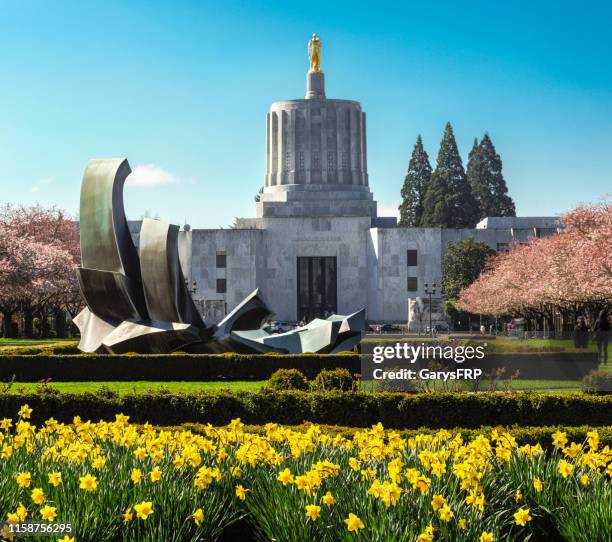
<point>317,292</point>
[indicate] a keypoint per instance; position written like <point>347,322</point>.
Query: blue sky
<point>182,89</point>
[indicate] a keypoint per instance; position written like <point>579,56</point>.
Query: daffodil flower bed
<point>119,481</point>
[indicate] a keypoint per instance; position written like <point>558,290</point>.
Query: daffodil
<point>198,516</point>
<point>313,511</point>
<point>88,482</point>
<point>143,510</point>
<point>240,492</point>
<point>353,523</point>
<point>48,513</point>
<point>328,499</point>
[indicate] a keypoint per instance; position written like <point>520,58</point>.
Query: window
<point>411,258</point>
<point>221,286</point>
<point>221,260</point>
<point>502,247</point>
<point>301,160</point>
<point>345,160</point>
<point>331,161</point>
<point>288,161</point>
<point>315,159</point>
<point>413,284</point>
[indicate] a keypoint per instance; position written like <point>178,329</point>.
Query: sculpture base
<point>315,85</point>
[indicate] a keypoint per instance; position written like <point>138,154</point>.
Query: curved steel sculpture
<point>137,301</point>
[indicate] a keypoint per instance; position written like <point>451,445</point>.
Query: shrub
<point>288,379</point>
<point>333,379</point>
<point>158,367</point>
<point>597,382</point>
<point>394,410</point>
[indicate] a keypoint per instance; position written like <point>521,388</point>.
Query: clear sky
<point>182,88</point>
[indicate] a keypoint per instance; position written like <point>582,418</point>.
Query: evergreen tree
<point>448,200</point>
<point>415,185</point>
<point>484,174</point>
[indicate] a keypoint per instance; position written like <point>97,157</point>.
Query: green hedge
<point>393,410</point>
<point>161,367</point>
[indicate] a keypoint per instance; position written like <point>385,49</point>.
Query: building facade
<point>317,245</point>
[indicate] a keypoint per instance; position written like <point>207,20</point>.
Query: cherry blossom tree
<point>39,251</point>
<point>568,273</point>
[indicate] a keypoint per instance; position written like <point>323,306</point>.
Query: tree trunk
<point>28,323</point>
<point>44,326</point>
<point>60,323</point>
<point>7,327</point>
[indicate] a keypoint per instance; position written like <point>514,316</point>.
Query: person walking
<point>602,329</point>
<point>581,333</point>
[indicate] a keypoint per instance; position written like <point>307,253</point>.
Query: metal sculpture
<point>137,301</point>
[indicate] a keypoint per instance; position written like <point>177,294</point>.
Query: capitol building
<point>316,245</point>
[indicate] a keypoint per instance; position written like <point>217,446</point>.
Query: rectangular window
<point>221,260</point>
<point>301,160</point>
<point>411,258</point>
<point>502,247</point>
<point>221,286</point>
<point>413,284</point>
<point>315,159</point>
<point>331,161</point>
<point>345,160</point>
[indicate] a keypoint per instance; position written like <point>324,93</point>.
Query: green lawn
<point>190,387</point>
<point>33,342</point>
<point>137,386</point>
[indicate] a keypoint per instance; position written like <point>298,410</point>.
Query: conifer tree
<point>448,200</point>
<point>484,174</point>
<point>415,185</point>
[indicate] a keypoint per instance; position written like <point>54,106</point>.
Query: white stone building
<point>317,245</point>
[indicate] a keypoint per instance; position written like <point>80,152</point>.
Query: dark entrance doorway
<point>317,291</point>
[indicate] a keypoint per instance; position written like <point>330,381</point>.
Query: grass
<point>33,342</point>
<point>123,388</point>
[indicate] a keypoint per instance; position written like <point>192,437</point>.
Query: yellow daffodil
<point>240,492</point>
<point>537,484</point>
<point>143,510</point>
<point>353,523</point>
<point>522,517</point>
<point>48,513</point>
<point>37,495</point>
<point>313,511</point>
<point>55,478</point>
<point>24,479</point>
<point>328,499</point>
<point>88,482</point>
<point>565,468</point>
<point>198,516</point>
<point>25,412</point>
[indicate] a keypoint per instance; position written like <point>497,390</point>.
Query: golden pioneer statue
<point>314,53</point>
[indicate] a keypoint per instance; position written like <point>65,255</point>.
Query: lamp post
<point>429,292</point>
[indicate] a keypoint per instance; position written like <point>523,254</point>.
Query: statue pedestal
<point>315,85</point>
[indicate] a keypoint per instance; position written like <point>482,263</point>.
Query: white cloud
<point>150,175</point>
<point>388,209</point>
<point>42,182</point>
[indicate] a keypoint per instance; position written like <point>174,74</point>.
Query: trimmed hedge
<point>393,410</point>
<point>232,367</point>
<point>161,367</point>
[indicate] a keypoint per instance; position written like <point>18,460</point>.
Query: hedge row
<point>393,410</point>
<point>231,367</point>
<point>524,435</point>
<point>162,367</point>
